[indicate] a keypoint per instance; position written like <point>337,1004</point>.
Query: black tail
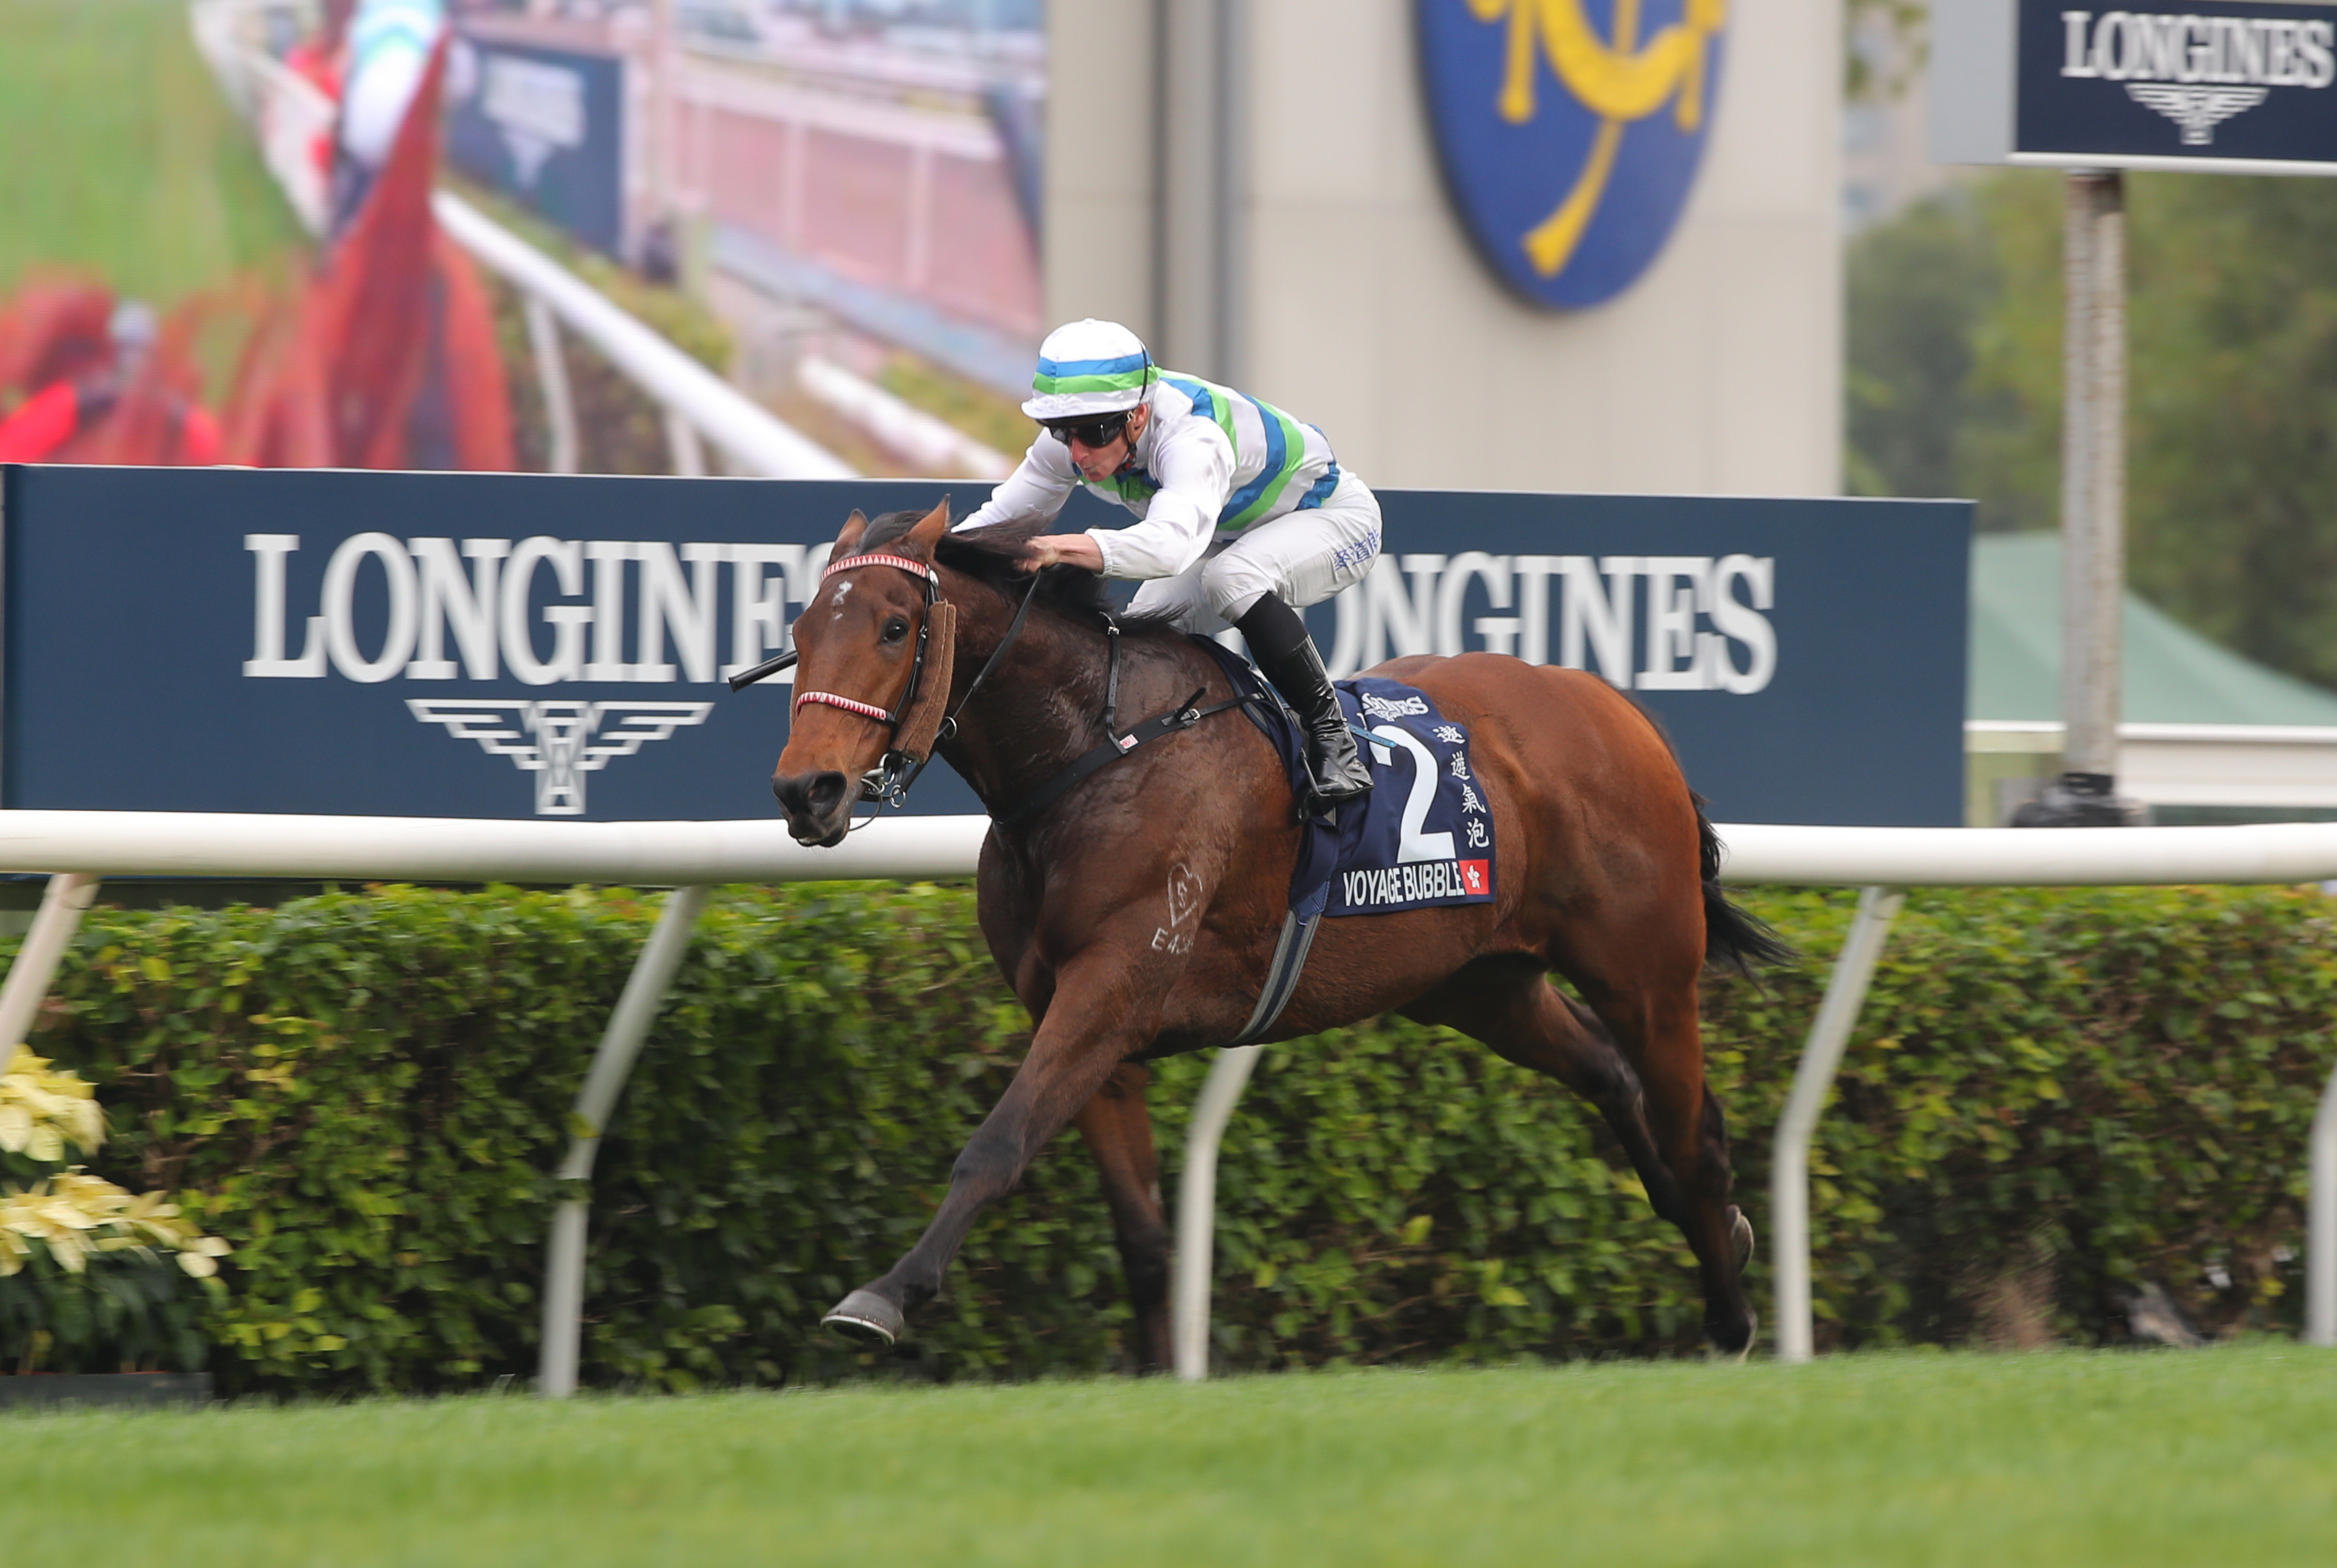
<point>1731,937</point>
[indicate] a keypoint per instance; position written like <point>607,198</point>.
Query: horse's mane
<point>989,557</point>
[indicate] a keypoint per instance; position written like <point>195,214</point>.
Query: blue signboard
<point>545,127</point>
<point>2220,80</point>
<point>2232,86</point>
<point>1569,131</point>
<point>532,646</point>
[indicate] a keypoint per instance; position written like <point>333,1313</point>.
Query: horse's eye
<point>896,630</point>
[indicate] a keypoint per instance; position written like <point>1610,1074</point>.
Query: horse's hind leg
<point>1523,1018</point>
<point>1681,1159</point>
<point>1660,1033</point>
<point>1118,1129</point>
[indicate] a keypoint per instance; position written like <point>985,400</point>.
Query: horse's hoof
<point>866,1318</point>
<point>1740,1232</point>
<point>1738,1356</point>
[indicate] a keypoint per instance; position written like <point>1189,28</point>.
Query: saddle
<point>1424,837</point>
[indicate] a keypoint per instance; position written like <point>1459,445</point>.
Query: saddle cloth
<point>1422,836</point>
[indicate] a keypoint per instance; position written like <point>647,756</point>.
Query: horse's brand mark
<point>1184,893</point>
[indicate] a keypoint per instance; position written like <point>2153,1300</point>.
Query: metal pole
<point>1197,1210</point>
<point>2093,502</point>
<point>62,903</point>
<point>682,439</point>
<point>2321,1227</point>
<point>551,374</point>
<point>1229,191</point>
<point>629,1026</point>
<point>1789,1178</point>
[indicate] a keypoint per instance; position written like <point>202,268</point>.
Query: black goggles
<point>1098,432</point>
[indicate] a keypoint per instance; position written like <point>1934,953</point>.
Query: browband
<point>916,567</point>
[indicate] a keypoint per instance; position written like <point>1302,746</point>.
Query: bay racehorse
<point>1135,911</point>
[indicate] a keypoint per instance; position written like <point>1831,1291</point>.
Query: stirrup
<point>1318,802</point>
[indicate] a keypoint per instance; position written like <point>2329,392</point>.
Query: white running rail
<point>80,846</point>
<point>934,445</point>
<point>755,441</point>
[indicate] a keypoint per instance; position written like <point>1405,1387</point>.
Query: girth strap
<point>1283,969</point>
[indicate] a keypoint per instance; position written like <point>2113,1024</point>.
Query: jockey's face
<point>1097,464</point>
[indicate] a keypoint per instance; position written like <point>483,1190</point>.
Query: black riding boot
<point>1286,656</point>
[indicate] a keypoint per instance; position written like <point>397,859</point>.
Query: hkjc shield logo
<point>1570,131</point>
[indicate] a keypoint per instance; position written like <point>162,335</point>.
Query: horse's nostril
<point>809,796</point>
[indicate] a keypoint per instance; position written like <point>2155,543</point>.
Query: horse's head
<point>871,672</point>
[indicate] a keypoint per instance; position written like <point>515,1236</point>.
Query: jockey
<point>388,54</point>
<point>1246,517</point>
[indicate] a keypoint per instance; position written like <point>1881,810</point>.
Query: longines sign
<point>2235,85</point>
<point>514,645</point>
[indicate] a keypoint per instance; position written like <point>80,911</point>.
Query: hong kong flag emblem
<point>1477,876</point>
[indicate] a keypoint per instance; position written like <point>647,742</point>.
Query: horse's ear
<point>849,540</point>
<point>920,540</point>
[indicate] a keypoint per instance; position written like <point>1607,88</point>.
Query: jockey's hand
<point>1062,549</point>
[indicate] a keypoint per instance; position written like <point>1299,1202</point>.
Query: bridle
<point>888,782</point>
<point>891,720</point>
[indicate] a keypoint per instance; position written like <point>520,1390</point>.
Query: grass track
<point>119,156</point>
<point>2218,1456</point>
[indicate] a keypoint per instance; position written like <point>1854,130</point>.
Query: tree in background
<point>2232,458</point>
<point>1955,386</point>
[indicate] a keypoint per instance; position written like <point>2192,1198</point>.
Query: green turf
<point>118,154</point>
<point>2217,1457</point>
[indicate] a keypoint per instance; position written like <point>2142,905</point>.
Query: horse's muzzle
<point>818,806</point>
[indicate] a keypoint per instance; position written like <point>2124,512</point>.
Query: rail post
<point>2320,1226</point>
<point>629,1026</point>
<point>1196,1208</point>
<point>62,903</point>
<point>551,377</point>
<point>1789,1179</point>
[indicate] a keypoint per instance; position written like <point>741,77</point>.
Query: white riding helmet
<point>1090,367</point>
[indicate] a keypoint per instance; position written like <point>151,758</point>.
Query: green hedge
<point>2056,1095</point>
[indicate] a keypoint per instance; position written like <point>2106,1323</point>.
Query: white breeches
<point>1306,557</point>
<point>374,103</point>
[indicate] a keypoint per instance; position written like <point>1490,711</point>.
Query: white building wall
<point>1361,306</point>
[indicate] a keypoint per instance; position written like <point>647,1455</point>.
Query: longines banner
<point>519,645</point>
<point>2239,86</point>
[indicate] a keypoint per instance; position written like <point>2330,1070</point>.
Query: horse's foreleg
<point>1083,1038</point>
<point>1118,1132</point>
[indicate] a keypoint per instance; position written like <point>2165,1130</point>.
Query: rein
<point>888,782</point>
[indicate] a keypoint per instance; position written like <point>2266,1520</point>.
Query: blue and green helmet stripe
<point>1065,375</point>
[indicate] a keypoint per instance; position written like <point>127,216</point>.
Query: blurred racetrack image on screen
<point>1022,781</point>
